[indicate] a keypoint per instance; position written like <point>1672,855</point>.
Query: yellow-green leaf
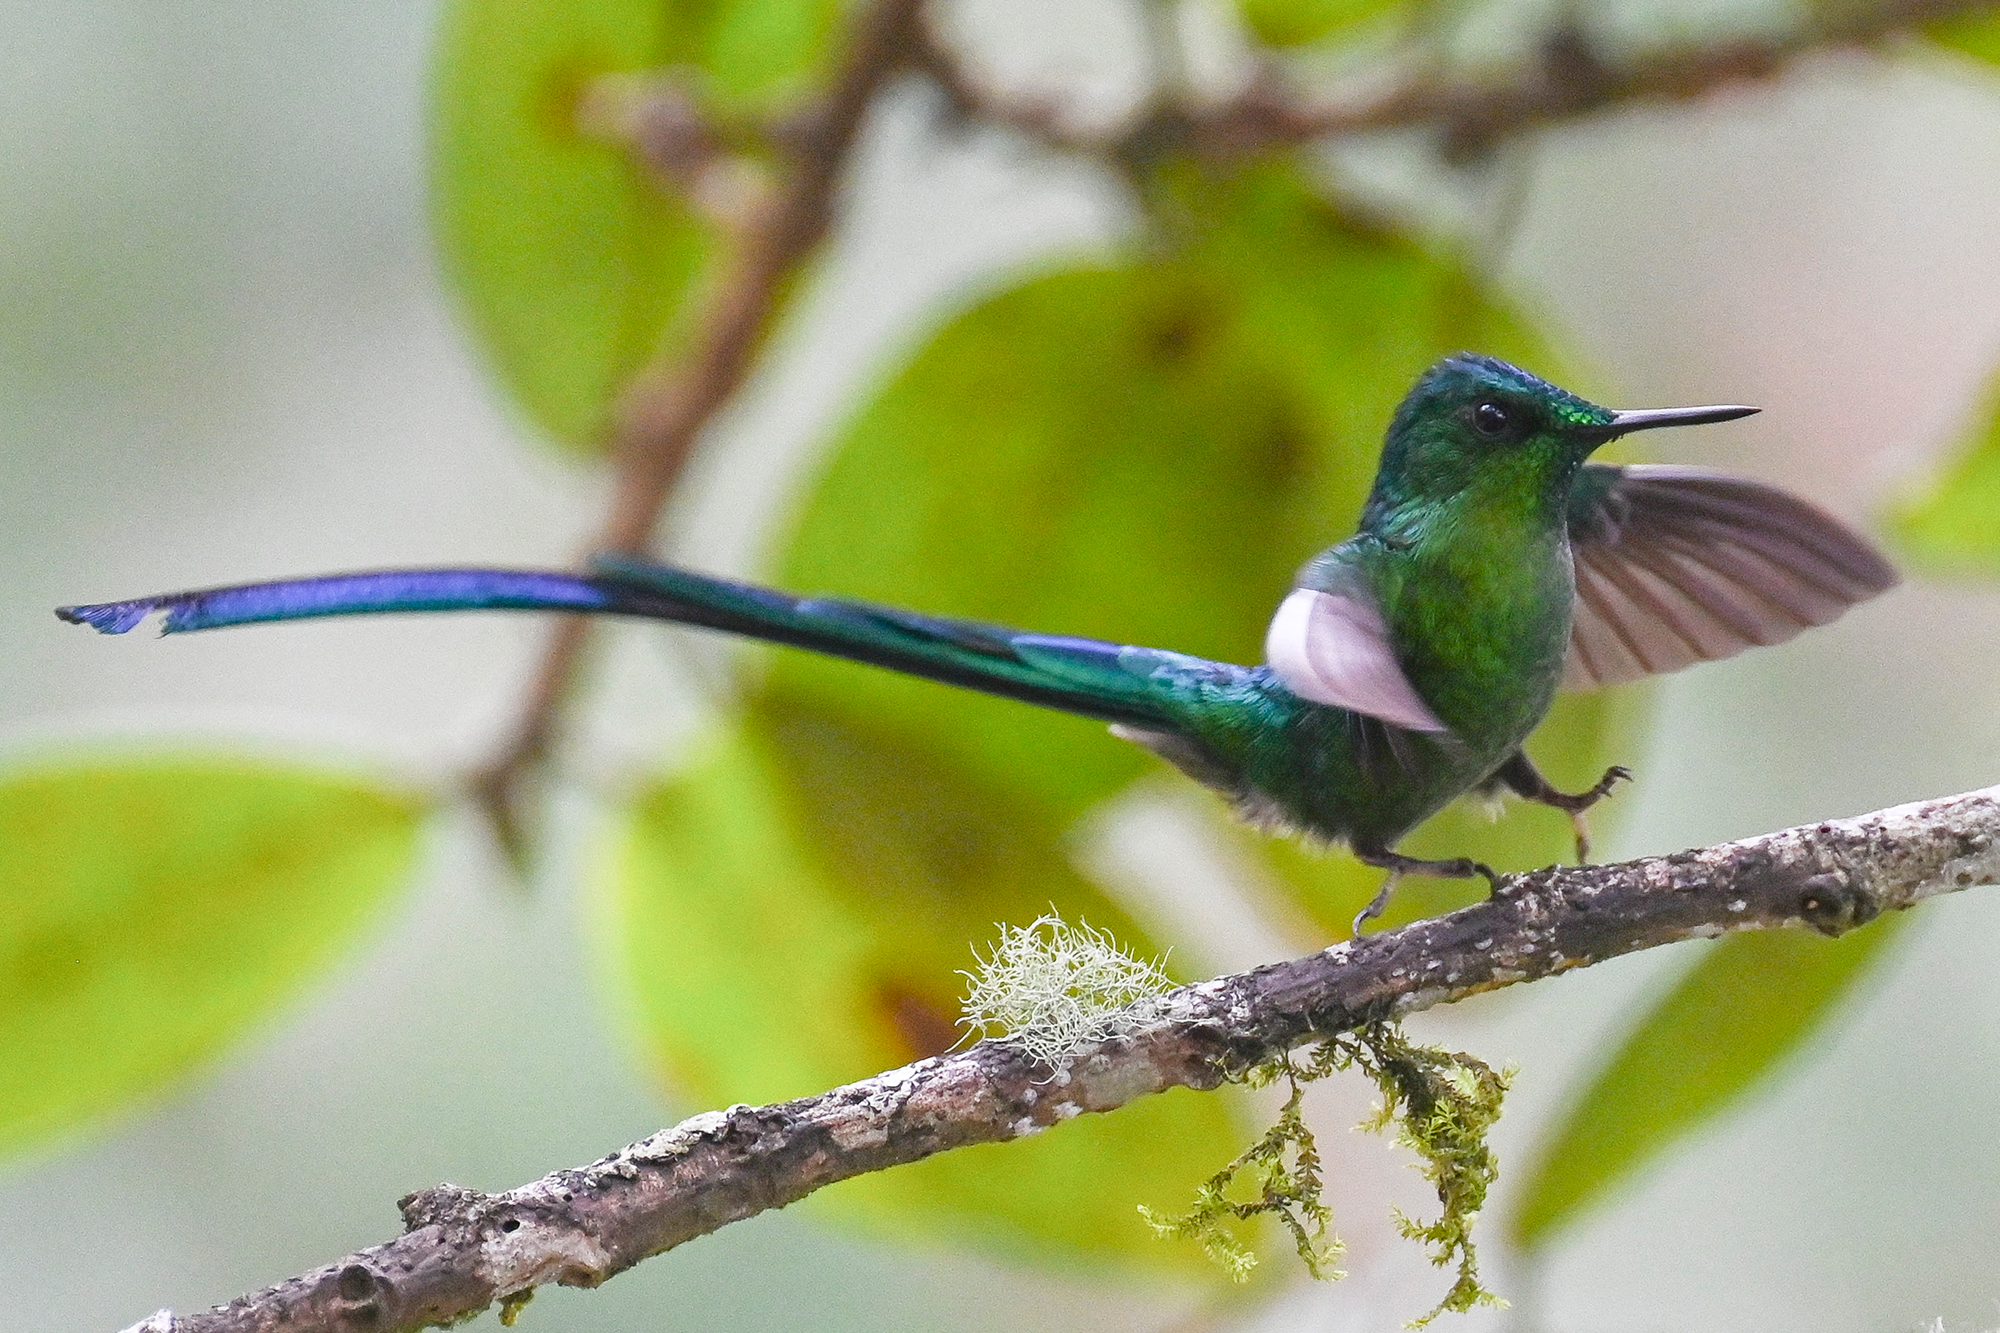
<point>152,910</point>
<point>1955,526</point>
<point>1727,1025</point>
<point>570,261</point>
<point>1300,22</point>
<point>1976,33</point>
<point>791,913</point>
<point>761,53</point>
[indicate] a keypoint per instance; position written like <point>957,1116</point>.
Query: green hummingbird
<point>1493,565</point>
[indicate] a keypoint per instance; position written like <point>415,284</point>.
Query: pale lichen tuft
<point>1052,989</point>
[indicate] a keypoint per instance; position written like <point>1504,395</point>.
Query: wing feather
<point>1677,565</point>
<point>1741,577</point>
<point>1671,621</point>
<point>1639,621</point>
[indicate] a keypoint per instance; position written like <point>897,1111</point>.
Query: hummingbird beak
<point>1649,418</point>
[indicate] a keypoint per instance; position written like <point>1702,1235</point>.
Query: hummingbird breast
<point>1480,628</point>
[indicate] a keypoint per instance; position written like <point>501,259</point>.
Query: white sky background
<point>224,353</point>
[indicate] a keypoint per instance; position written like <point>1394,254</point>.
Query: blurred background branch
<point>1472,108</point>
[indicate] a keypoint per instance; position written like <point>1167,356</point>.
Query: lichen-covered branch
<point>463,1251</point>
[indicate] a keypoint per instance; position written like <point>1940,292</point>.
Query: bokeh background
<point>225,351</point>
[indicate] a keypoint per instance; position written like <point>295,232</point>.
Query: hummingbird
<point>1493,565</point>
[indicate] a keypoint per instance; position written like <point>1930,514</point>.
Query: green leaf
<point>1730,1022</point>
<point>1977,34</point>
<point>761,53</point>
<point>791,913</point>
<point>570,260</point>
<point>1952,528</point>
<point>1301,22</point>
<point>152,910</point>
<point>1142,451</point>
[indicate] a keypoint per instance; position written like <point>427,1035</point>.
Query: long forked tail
<point>1103,680</point>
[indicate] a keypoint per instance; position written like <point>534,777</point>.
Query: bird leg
<point>1398,865</point>
<point>1521,777</point>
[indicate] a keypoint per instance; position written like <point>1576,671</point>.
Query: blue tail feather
<point>347,595</point>
<point>110,617</point>
<point>1108,681</point>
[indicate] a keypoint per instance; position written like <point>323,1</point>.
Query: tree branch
<point>664,410</point>
<point>464,1250</point>
<point>1569,81</point>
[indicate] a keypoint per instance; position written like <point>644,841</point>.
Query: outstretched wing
<point>1676,565</point>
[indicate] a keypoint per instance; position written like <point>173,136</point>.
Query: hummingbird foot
<point>1526,781</point>
<point>1582,801</point>
<point>1613,775</point>
<point>1398,865</point>
<point>1376,904</point>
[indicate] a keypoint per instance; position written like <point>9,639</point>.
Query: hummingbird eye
<point>1490,418</point>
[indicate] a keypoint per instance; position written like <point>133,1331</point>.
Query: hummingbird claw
<point>1465,868</point>
<point>1521,777</point>
<point>1613,775</point>
<point>1398,865</point>
<point>1376,904</point>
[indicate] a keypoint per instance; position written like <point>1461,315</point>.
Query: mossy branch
<point>1442,1103</point>
<point>462,1250</point>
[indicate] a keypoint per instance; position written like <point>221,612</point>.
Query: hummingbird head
<point>1475,424</point>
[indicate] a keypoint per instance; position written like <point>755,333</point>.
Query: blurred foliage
<point>1950,527</point>
<point>574,265</point>
<point>1977,34</point>
<point>1725,1026</point>
<point>794,910</point>
<point>1284,23</point>
<point>153,910</point>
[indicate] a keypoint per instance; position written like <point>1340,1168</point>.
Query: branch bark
<point>1572,79</point>
<point>667,406</point>
<point>463,1250</point>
